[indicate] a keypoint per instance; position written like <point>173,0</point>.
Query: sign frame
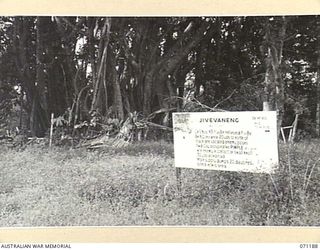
<point>219,136</point>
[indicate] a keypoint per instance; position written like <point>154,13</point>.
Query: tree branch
<point>227,98</point>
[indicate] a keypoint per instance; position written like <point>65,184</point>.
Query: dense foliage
<point>90,70</point>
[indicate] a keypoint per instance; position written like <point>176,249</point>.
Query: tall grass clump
<point>298,182</point>
<point>290,196</point>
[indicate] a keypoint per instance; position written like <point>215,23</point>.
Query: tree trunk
<point>117,97</point>
<point>39,114</point>
<point>32,80</point>
<point>274,85</point>
<point>147,94</point>
<point>100,81</point>
<point>22,59</point>
<point>68,67</point>
<point>199,73</point>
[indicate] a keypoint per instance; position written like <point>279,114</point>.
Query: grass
<point>137,186</point>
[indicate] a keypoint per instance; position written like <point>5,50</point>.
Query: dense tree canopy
<point>84,68</point>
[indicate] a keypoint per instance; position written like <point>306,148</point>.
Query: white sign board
<point>229,141</point>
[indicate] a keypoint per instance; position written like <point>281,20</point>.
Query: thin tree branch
<point>227,98</point>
